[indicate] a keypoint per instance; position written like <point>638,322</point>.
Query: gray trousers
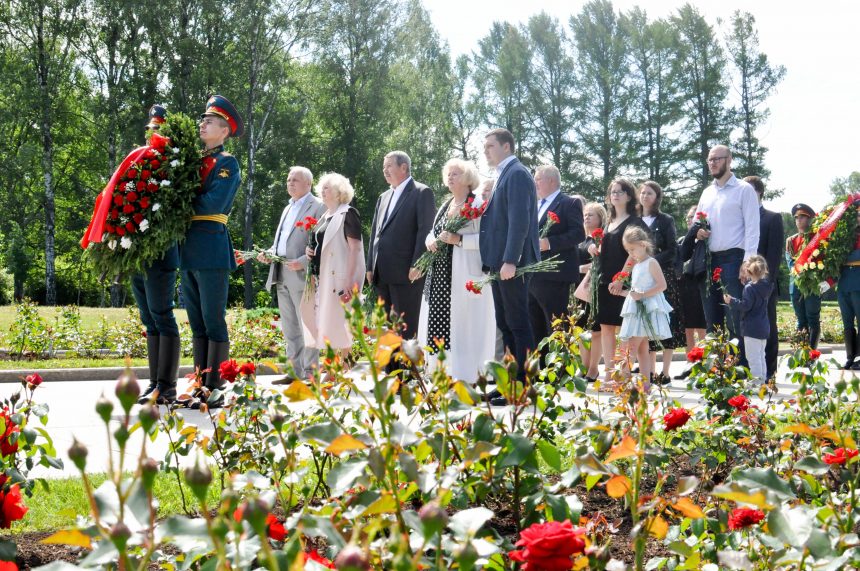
<point>303,359</point>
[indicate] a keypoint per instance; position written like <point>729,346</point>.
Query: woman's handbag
<point>583,290</point>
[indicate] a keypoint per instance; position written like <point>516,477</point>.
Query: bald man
<point>733,215</point>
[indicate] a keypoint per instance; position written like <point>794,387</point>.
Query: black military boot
<point>814,335</point>
<point>168,369</point>
<point>200,352</point>
<point>152,353</point>
<point>850,347</point>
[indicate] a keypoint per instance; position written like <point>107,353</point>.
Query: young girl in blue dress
<point>645,312</point>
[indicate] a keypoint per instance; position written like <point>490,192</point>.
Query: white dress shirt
<point>295,206</point>
<point>395,196</point>
<point>501,166</point>
<point>733,213</point>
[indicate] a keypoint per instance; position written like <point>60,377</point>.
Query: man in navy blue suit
<point>509,240</point>
<point>549,292</point>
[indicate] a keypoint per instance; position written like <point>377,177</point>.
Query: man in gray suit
<point>289,277</point>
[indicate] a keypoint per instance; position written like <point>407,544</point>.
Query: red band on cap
<point>224,115</point>
<point>156,120</point>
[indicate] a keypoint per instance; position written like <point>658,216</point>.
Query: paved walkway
<point>72,414</point>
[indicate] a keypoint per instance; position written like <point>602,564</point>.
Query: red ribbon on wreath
<point>824,231</point>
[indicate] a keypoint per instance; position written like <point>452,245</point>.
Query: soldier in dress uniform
<point>206,256</point>
<point>154,290</point>
<point>807,308</point>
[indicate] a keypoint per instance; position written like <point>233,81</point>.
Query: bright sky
<point>813,132</point>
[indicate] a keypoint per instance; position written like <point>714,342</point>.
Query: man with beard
<point>732,210</point>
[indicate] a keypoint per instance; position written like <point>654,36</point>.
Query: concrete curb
<point>111,373</point>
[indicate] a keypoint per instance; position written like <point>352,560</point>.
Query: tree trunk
<point>47,161</point>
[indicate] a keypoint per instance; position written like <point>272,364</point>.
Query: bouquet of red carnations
<point>551,220</point>
<point>309,224</point>
<point>467,214</point>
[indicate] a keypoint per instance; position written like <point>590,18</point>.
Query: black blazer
<point>564,238</point>
<point>695,252</point>
<point>771,241</point>
<point>665,238</point>
<point>509,231</point>
<point>395,246</point>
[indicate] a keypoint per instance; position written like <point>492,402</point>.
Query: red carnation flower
<point>840,456</point>
<point>247,369</point>
<point>129,227</point>
<point>114,213</point>
<point>229,370</point>
<point>144,202</point>
<point>597,234</point>
<point>744,517</point>
<point>274,528</point>
<point>814,354</point>
<point>131,174</point>
<point>9,440</point>
<point>144,175</point>
<point>715,277</point>
<point>127,209</point>
<point>473,287</point>
<point>131,197</point>
<point>739,402</point>
<point>696,354</point>
<point>120,230</point>
<point>12,507</point>
<point>141,186</point>
<point>622,278</point>
<point>138,218</point>
<point>151,187</point>
<point>110,229</point>
<point>117,199</point>
<point>676,418</point>
<point>549,546</point>
<point>33,380</point>
<point>553,216</point>
<point>154,164</point>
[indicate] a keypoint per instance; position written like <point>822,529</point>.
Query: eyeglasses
<point>715,160</point>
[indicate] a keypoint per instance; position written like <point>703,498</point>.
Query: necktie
<point>542,202</point>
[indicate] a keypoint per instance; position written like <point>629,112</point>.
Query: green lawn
<point>90,316</point>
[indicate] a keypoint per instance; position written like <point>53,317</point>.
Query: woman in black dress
<point>664,236</point>
<point>621,198</point>
<point>691,295</point>
<point>594,217</point>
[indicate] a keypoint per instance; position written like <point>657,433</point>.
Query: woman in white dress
<point>464,321</point>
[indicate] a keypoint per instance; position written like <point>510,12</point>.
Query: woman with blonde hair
<point>337,263</point>
<point>460,321</point>
<point>594,217</point>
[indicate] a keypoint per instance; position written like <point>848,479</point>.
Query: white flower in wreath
<point>175,150</point>
<point>125,242</point>
<point>156,207</point>
<point>104,237</point>
<point>144,225</point>
<point>175,163</point>
<point>129,186</point>
<point>165,183</point>
<point>112,244</point>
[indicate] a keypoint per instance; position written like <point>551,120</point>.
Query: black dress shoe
<point>662,379</point>
<point>635,370</point>
<point>684,374</point>
<point>499,401</point>
<point>590,379</point>
<point>493,394</point>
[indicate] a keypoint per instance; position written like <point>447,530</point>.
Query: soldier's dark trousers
<point>205,296</point>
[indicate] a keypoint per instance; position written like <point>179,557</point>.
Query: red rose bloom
<point>141,186</point>
<point>247,369</point>
<point>814,354</point>
<point>553,216</point>
<point>840,456</point>
<point>117,199</point>
<point>744,517</point>
<point>131,197</point>
<point>33,380</point>
<point>120,230</point>
<point>138,218</point>
<point>274,528</point>
<point>110,229</point>
<point>129,227</point>
<point>131,174</point>
<point>9,440</point>
<point>739,402</point>
<point>317,558</point>
<point>229,370</point>
<point>114,213</point>
<point>696,354</point>
<point>676,418</point>
<point>12,507</point>
<point>154,164</point>
<point>716,275</point>
<point>144,202</point>
<point>127,209</point>
<point>549,546</point>
<point>145,175</point>
<point>151,187</point>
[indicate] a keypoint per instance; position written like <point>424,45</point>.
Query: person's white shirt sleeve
<point>752,221</point>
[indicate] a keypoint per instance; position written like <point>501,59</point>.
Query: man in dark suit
<point>403,218</point>
<point>549,292</point>
<point>509,240</point>
<point>770,244</point>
